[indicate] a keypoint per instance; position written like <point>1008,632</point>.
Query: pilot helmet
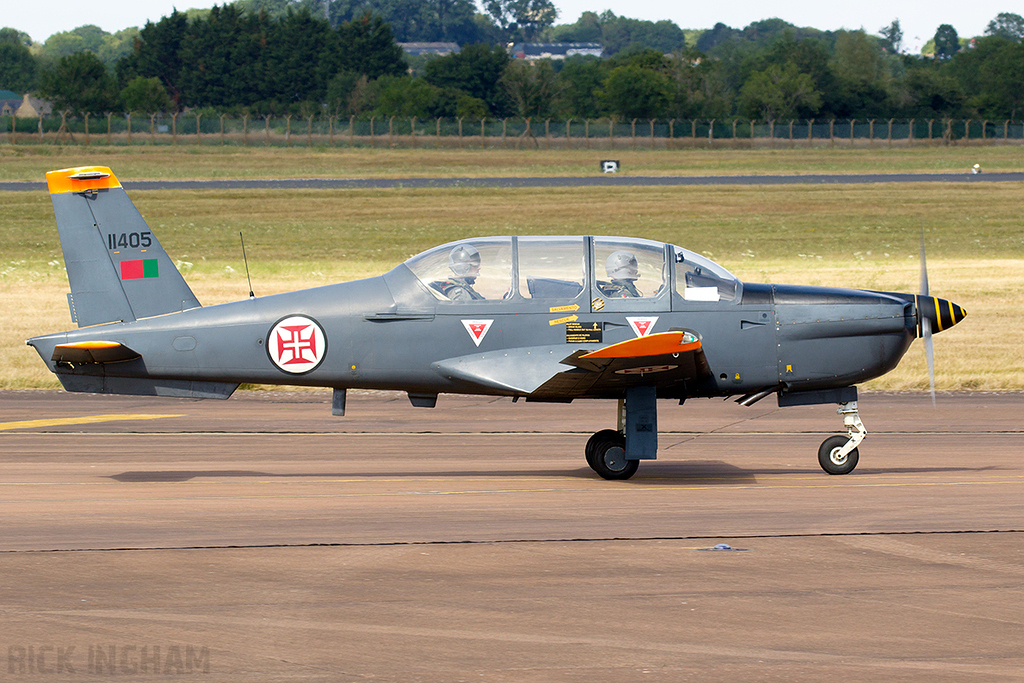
<point>621,265</point>
<point>464,260</point>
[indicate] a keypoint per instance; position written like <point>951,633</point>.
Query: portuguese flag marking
<point>139,268</point>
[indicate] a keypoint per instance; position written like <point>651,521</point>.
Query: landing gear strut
<point>616,454</point>
<point>838,454</point>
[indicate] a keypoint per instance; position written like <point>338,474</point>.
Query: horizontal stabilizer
<point>81,353</point>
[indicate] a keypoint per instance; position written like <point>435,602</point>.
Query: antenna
<point>242,239</point>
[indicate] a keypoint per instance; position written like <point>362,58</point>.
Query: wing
<point>666,360</point>
<point>545,373</point>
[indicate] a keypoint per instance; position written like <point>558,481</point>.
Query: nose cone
<point>941,313</point>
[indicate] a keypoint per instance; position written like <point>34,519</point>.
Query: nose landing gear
<point>838,454</point>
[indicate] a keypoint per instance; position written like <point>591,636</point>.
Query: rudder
<point>116,267</point>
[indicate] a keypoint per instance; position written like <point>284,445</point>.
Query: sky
<point>917,19</point>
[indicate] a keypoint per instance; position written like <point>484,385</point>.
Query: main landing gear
<point>838,454</point>
<point>616,454</point>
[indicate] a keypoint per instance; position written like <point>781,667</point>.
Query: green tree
<point>892,37</point>
<point>80,84</point>
<point>991,76</point>
<point>587,29</point>
<point>367,46</point>
<point>476,70</point>
<point>1007,25</point>
<point>947,42</point>
<point>697,87</point>
<point>581,78</point>
<point>521,19</point>
<point>635,92</point>
<point>145,95</point>
<point>18,68</point>
<point>533,88</point>
<point>779,92</point>
<point>13,35</point>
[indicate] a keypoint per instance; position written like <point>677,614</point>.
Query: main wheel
<point>603,435</point>
<point>831,461</point>
<point>609,459</point>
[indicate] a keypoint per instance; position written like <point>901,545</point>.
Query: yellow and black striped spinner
<point>943,314</point>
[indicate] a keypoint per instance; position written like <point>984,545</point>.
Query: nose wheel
<point>838,454</point>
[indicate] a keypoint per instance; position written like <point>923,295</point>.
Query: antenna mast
<point>248,279</point>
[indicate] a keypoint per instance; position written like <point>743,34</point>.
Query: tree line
<point>325,59</point>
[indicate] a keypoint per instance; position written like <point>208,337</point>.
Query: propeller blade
<point>924,269</point>
<point>929,353</point>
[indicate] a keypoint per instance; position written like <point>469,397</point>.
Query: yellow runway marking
<point>88,419</point>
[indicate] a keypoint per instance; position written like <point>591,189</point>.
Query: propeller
<point>926,324</point>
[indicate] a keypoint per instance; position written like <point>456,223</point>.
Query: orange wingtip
<point>660,344</point>
<point>90,345</point>
<point>81,178</point>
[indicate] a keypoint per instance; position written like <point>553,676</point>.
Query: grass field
<point>859,236</point>
<point>31,162</point>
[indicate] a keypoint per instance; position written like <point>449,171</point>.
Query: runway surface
<point>582,181</point>
<point>260,538</point>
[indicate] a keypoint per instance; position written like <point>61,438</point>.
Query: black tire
<point>609,459</point>
<point>603,435</point>
<point>827,456</point>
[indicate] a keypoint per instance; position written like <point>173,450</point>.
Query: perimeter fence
<point>324,131</point>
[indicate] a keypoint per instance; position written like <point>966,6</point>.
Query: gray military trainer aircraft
<point>538,318</point>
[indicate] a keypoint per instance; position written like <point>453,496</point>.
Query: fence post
<point>871,133</point>
<point>152,127</point>
<point>888,138</point>
<point>752,122</point>
<point>791,122</point>
<point>693,129</point>
<point>109,114</point>
<point>504,132</point>
<point>611,132</point>
<point>87,140</point>
<point>586,133</point>
<point>174,128</point>
<point>373,140</point>
<point>851,131</point>
<point>198,124</point>
<point>771,133</point>
<point>1006,131</point>
<point>910,138</point>
<point>437,136</point>
<point>671,133</point>
<point>711,132</point>
<point>483,133</point>
<point>632,134</point>
<point>930,122</point>
<point>330,129</point>
<point>547,133</point>
<point>967,130</point>
<point>128,118</point>
<point>245,130</point>
<point>460,130</point>
<point>412,131</point>
<point>40,127</point>
<point>288,130</point>
<point>267,136</point>
<point>568,128</point>
<point>947,134</point>
<point>391,132</point>
<point>222,129</point>
<point>652,133</point>
<point>734,122</point>
<point>810,133</point>
<point>351,131</point>
<point>832,132</point>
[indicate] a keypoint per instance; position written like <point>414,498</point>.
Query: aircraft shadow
<point>702,472</point>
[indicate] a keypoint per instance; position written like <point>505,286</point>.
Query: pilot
<point>622,272</point>
<point>464,262</point>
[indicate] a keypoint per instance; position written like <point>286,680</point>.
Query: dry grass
<point>31,162</point>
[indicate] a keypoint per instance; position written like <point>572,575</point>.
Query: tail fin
<point>117,269</point>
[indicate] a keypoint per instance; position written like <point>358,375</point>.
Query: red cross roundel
<point>297,344</point>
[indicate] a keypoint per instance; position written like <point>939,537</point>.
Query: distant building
<point>9,102</point>
<point>535,51</point>
<point>417,49</point>
<point>32,107</point>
